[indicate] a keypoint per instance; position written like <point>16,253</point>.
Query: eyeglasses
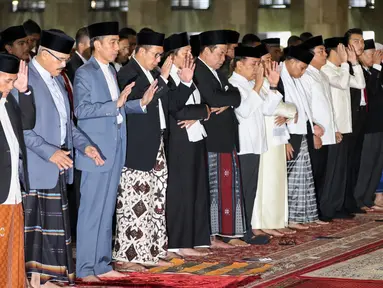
<point>57,58</point>
<point>156,55</point>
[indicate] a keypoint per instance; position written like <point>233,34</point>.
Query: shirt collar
<point>81,57</point>
<point>2,101</point>
<point>143,69</point>
<point>313,69</point>
<point>211,69</point>
<point>44,73</point>
<point>332,65</point>
<point>102,65</point>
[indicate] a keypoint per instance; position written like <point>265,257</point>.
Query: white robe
<point>270,208</point>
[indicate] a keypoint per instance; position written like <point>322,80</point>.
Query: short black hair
<point>249,39</point>
<point>126,32</point>
<point>210,47</point>
<point>99,38</point>
<point>81,33</point>
<point>146,47</point>
<point>31,27</point>
<point>305,35</point>
<point>351,31</point>
<point>293,40</point>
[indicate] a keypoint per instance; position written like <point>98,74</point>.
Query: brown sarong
<point>12,265</point>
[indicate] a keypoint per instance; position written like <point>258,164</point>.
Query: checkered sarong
<point>301,191</point>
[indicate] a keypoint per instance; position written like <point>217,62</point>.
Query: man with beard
<point>15,41</point>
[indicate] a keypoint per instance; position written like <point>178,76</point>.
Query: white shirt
<point>196,132</point>
<point>151,80</point>
<point>250,114</point>
<point>112,85</point>
<point>212,71</point>
<point>340,81</point>
<point>318,91</point>
<point>81,57</point>
<point>117,66</point>
<point>57,96</point>
<point>14,196</point>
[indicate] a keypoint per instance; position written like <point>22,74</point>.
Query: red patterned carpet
<point>352,238</point>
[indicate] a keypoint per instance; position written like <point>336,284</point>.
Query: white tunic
<point>341,80</point>
<point>14,196</point>
<point>317,87</point>
<point>250,114</point>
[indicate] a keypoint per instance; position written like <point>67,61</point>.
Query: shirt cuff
<point>165,80</point>
<point>345,65</point>
<point>377,67</point>
<point>187,83</point>
<point>143,107</point>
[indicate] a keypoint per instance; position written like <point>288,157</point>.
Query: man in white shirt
<point>248,77</point>
<point>337,71</point>
<point>14,118</point>
<point>318,91</point>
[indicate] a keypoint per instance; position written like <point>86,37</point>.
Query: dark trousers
<point>333,194</point>
<point>318,159</point>
<point>354,156</point>
<point>249,166</point>
<point>370,171</point>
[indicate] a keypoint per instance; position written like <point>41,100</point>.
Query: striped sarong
<point>48,247</point>
<point>226,201</point>
<point>301,190</point>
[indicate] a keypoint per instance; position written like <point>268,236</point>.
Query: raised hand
<point>187,71</point>
<point>351,55</point>
<point>377,57</point>
<point>259,78</point>
<point>165,69</point>
<point>124,95</point>
<point>149,93</point>
<point>21,83</point>
<point>93,154</point>
<point>272,74</point>
<point>342,53</point>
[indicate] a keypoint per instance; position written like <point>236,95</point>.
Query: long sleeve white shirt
<point>340,81</point>
<point>250,114</point>
<point>318,91</point>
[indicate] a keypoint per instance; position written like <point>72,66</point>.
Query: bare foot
<point>319,222</point>
<point>203,250</point>
<point>164,263</point>
<point>129,267</point>
<point>218,244</point>
<point>298,226</point>
<point>367,209</point>
<point>258,232</point>
<point>238,243</point>
<point>287,231</point>
<point>90,278</point>
<point>112,274</point>
<point>171,255</point>
<point>377,208</point>
<point>273,232</point>
<point>188,252</point>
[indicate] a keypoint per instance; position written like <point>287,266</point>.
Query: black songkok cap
<point>300,53</point>
<point>369,44</point>
<point>334,42</point>
<point>261,50</point>
<point>103,29</point>
<point>286,51</point>
<point>248,51</point>
<point>13,33</point>
<point>232,36</point>
<point>214,37</point>
<point>176,41</point>
<point>272,41</point>
<point>9,64</point>
<point>57,41</point>
<point>194,43</point>
<point>150,38</point>
<point>313,42</point>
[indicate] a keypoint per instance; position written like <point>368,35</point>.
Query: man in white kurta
<point>250,115</point>
<point>337,71</point>
<point>317,87</point>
